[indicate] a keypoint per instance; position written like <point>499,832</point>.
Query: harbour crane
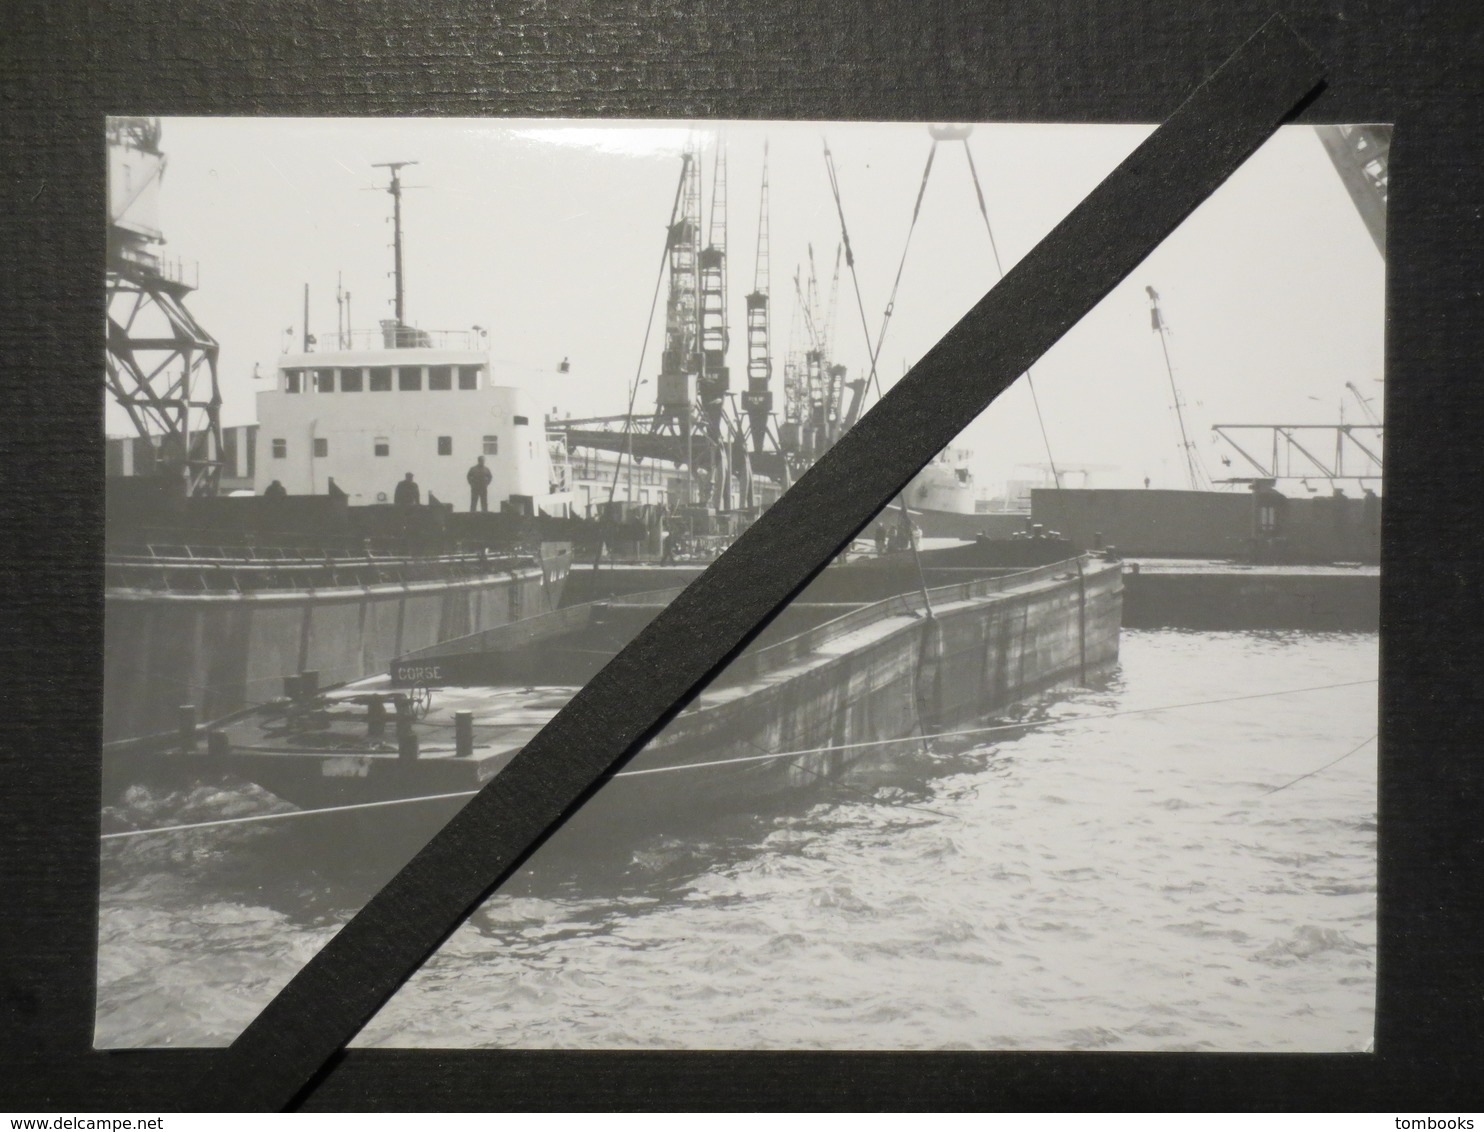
<point>1361,156</point>
<point>161,364</point>
<point>692,425</point>
<point>1158,324</point>
<point>757,399</point>
<point>1365,405</point>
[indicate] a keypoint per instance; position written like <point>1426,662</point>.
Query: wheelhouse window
<point>325,380</point>
<point>469,377</point>
<point>522,421</point>
<point>292,380</point>
<point>382,446</point>
<point>381,379</point>
<point>350,380</point>
<point>445,446</point>
<point>440,378</point>
<point>409,378</point>
<point>321,447</point>
<point>491,445</point>
<point>280,449</point>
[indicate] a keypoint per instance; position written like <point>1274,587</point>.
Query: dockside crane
<point>791,433</point>
<point>808,386</point>
<point>757,399</point>
<point>832,374</point>
<point>1361,156</point>
<point>678,387</point>
<point>1365,405</point>
<point>714,381</point>
<point>161,363</point>
<point>694,423</point>
<point>1193,469</point>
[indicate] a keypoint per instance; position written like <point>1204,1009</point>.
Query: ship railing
<point>404,338</point>
<point>153,545</point>
<point>247,570</point>
<point>542,626</point>
<point>357,550</point>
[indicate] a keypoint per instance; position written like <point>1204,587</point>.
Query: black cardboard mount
<point>67,65</point>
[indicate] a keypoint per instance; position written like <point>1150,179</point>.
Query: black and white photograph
<point>413,424</point>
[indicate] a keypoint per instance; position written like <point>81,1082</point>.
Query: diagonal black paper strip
<point>1063,277</point>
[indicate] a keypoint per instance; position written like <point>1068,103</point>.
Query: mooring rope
<point>768,756</point>
<point>286,814</point>
<point>1358,747</point>
<point>992,729</point>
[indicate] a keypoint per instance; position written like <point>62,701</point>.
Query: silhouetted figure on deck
<point>667,556</point>
<point>479,478</point>
<point>275,490</point>
<point>408,494</point>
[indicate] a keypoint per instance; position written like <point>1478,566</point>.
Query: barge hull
<point>778,720</point>
<point>222,653</point>
<point>901,679</point>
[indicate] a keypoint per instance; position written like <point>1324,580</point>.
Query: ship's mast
<point>395,189</point>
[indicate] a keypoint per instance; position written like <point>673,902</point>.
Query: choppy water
<point>1129,882</point>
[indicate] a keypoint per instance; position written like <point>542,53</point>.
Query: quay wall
<point>1257,600</point>
<point>1211,524</point>
<point>1172,524</point>
<point>1215,600</point>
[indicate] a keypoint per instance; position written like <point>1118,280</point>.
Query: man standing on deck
<point>408,494</point>
<point>479,478</point>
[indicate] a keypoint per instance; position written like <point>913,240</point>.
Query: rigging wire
<point>1030,380</point>
<point>875,353</point>
<point>773,755</point>
<point>1358,747</point>
<point>654,303</point>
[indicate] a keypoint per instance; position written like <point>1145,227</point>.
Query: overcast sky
<point>551,234</point>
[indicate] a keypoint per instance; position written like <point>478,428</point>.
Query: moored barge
<point>826,684</point>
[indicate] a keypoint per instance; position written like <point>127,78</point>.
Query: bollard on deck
<point>463,734</point>
<point>185,716</point>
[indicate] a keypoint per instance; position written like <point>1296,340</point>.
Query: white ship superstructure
<point>367,417</point>
<point>946,484</point>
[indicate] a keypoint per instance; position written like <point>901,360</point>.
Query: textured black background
<point>66,65</point>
